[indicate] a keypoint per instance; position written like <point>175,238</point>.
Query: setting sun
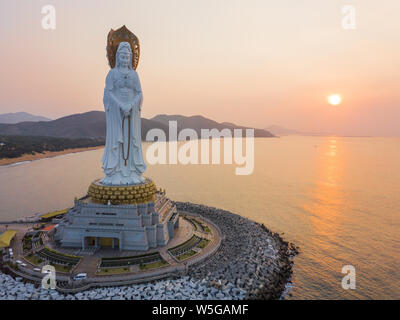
<point>335,99</point>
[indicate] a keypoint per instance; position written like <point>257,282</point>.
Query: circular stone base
<point>122,194</point>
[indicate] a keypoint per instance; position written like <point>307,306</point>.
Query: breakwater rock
<point>251,257</point>
<point>184,288</point>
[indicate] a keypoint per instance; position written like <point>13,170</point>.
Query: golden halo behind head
<point>114,38</point>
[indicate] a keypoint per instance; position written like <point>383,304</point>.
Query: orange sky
<point>254,62</point>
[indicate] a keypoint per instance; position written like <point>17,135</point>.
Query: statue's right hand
<point>126,109</point>
<point>123,107</point>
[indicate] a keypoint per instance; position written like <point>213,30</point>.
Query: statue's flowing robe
<point>113,163</point>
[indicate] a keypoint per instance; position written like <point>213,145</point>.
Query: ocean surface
<point>337,198</point>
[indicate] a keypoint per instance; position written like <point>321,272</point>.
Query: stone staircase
<point>89,251</point>
<point>167,257</point>
<point>87,265</point>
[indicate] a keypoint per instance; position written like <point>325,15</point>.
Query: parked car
<point>80,276</point>
<point>18,261</point>
<point>23,264</point>
<point>37,269</point>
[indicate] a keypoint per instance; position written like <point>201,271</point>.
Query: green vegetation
<point>61,268</point>
<point>186,255</point>
<point>16,146</point>
<point>61,253</point>
<point>185,250</point>
<point>187,245</point>
<point>27,244</point>
<point>13,265</point>
<point>35,260</point>
<point>203,243</point>
<point>131,260</point>
<point>153,265</point>
<point>50,215</point>
<point>191,222</point>
<point>108,271</point>
<point>131,257</point>
<point>194,222</point>
<point>203,227</point>
<point>58,259</point>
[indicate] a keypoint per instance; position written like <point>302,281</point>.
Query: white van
<point>80,276</point>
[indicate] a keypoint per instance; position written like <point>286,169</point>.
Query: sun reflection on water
<point>325,212</point>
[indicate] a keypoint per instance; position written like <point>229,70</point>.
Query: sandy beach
<point>47,154</point>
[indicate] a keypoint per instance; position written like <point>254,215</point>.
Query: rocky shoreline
<point>184,288</point>
<point>253,258</point>
<point>251,263</point>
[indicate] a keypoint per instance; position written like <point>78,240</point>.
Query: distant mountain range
<point>17,117</point>
<point>93,125</point>
<point>199,122</point>
<point>281,131</point>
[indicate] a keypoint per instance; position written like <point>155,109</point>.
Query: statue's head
<point>115,38</point>
<point>124,55</point>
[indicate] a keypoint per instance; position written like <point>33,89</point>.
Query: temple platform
<point>133,226</point>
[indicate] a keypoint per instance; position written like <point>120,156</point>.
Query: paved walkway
<point>89,263</point>
<point>167,257</point>
<point>16,243</point>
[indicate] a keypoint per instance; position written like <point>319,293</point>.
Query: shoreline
<point>44,155</point>
<point>51,154</point>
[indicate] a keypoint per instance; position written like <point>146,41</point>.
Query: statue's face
<point>124,59</point>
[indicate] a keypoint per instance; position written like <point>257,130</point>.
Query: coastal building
<point>124,226</point>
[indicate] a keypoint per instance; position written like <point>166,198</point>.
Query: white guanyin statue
<point>123,157</point>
